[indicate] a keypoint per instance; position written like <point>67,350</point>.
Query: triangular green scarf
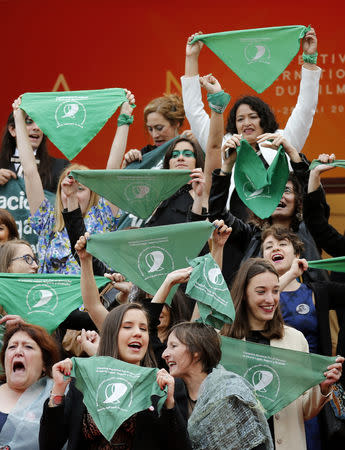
<point>152,159</point>
<point>208,287</point>
<point>71,119</point>
<point>334,264</point>
<point>136,191</point>
<point>335,163</point>
<point>272,371</point>
<point>257,56</point>
<point>146,255</point>
<point>260,190</point>
<point>44,300</point>
<point>115,390</point>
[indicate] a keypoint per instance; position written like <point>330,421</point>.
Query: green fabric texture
<point>151,160</point>
<point>136,191</point>
<point>218,101</point>
<point>208,287</point>
<point>334,264</point>
<point>272,371</point>
<point>124,119</point>
<point>44,300</point>
<point>260,190</point>
<point>71,119</point>
<point>146,255</point>
<point>258,56</point>
<point>115,390</point>
<point>335,163</point>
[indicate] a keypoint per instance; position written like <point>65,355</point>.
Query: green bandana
<point>115,390</point>
<point>13,198</point>
<point>208,287</point>
<point>146,256</point>
<point>218,101</point>
<point>151,160</point>
<point>335,163</point>
<point>257,56</point>
<point>272,371</point>
<point>44,300</point>
<point>136,191</point>
<point>334,264</point>
<point>71,119</point>
<point>260,190</point>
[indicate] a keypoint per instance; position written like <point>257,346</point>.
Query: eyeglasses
<point>27,258</point>
<point>186,153</point>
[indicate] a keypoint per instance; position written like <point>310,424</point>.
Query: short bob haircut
<point>274,328</point>
<point>267,119</point>
<point>280,234</point>
<point>7,252</point>
<point>170,106</point>
<point>7,219</point>
<point>201,339</point>
<point>94,198</point>
<point>108,345</point>
<point>47,344</point>
<point>8,147</point>
<point>199,154</point>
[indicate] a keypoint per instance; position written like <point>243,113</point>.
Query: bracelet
<point>218,101</point>
<point>124,119</point>
<point>56,399</point>
<point>311,59</point>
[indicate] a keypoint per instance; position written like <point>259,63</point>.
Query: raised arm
<point>118,147</point>
<point>89,290</point>
<point>191,93</point>
<point>33,183</point>
<point>219,238</point>
<point>297,127</point>
<point>175,277</point>
<point>315,214</point>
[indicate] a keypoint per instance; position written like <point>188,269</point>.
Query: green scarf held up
<point>257,56</point>
<point>136,191</point>
<point>260,190</point>
<point>334,264</point>
<point>115,390</point>
<point>146,255</point>
<point>71,119</point>
<point>272,371</point>
<point>208,287</point>
<point>335,163</point>
<point>42,299</point>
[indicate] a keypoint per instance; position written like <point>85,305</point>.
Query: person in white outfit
<point>250,117</point>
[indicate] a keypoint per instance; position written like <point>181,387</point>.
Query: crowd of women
<point>278,301</point>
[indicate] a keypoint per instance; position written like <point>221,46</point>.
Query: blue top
<point>299,311</point>
<point>3,418</point>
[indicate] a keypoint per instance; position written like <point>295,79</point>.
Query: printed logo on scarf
<point>257,50</point>
<point>136,191</point>
<point>155,261</point>
<point>110,393</point>
<point>42,298</point>
<point>70,112</point>
<point>265,381</point>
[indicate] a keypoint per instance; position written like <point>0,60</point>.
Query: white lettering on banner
<point>14,202</point>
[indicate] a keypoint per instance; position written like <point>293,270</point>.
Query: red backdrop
<point>140,46</point>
